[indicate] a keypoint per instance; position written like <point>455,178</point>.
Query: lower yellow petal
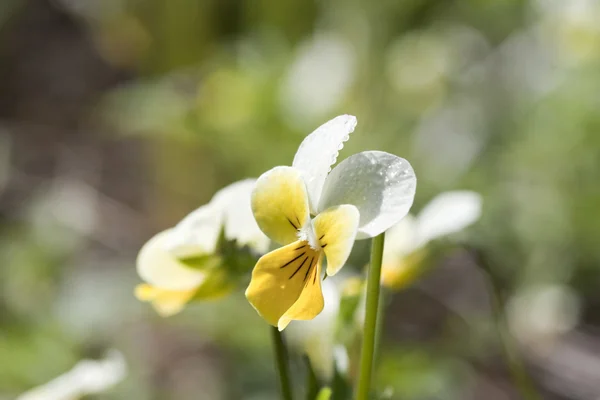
<point>279,278</point>
<point>280,204</point>
<point>165,302</point>
<point>335,228</point>
<point>310,303</point>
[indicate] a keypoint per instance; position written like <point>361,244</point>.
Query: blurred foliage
<point>118,117</point>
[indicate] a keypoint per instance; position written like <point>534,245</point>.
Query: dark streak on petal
<point>298,269</point>
<point>291,261</point>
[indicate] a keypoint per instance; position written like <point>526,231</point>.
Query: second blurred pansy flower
<point>360,198</point>
<point>201,256</point>
<point>404,250</point>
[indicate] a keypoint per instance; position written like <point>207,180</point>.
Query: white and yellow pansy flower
<point>404,251</point>
<point>315,213</point>
<point>164,262</point>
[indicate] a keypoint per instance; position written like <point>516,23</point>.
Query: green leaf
<point>201,262</point>
<point>236,260</point>
<point>217,284</point>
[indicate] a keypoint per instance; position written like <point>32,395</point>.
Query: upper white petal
<point>161,268</point>
<point>198,232</point>
<point>448,213</point>
<point>381,185</point>
<point>319,151</point>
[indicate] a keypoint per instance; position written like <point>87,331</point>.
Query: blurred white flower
<point>448,213</point>
<point>318,78</point>
<point>86,377</point>
<point>171,282</point>
<point>540,314</point>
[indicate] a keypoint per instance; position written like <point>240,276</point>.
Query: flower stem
<point>370,328</point>
<point>281,357</point>
<point>312,383</point>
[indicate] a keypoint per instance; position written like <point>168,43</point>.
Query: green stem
<point>370,328</point>
<point>312,383</point>
<point>281,357</point>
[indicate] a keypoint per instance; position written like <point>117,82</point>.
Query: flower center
<point>307,233</point>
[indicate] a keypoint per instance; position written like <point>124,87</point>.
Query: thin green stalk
<point>281,357</point>
<point>370,328</point>
<point>312,383</point>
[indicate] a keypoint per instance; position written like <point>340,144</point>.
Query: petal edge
<point>381,185</point>
<point>319,151</point>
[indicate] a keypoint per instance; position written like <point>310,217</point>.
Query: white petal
<point>159,267</point>
<point>400,239</point>
<point>198,232</point>
<point>240,224</point>
<point>319,151</point>
<point>381,185</point>
<point>448,213</point>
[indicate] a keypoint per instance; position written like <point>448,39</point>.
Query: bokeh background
<point>118,117</point>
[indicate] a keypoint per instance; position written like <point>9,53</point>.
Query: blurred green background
<point>119,117</point>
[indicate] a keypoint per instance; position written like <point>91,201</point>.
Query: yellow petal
<point>335,228</point>
<point>310,303</point>
<point>280,204</point>
<point>165,302</point>
<point>279,278</point>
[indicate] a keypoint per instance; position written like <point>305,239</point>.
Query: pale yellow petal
<point>165,302</point>
<point>280,204</point>
<point>335,228</point>
<point>279,278</point>
<point>310,303</point>
<point>158,267</point>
